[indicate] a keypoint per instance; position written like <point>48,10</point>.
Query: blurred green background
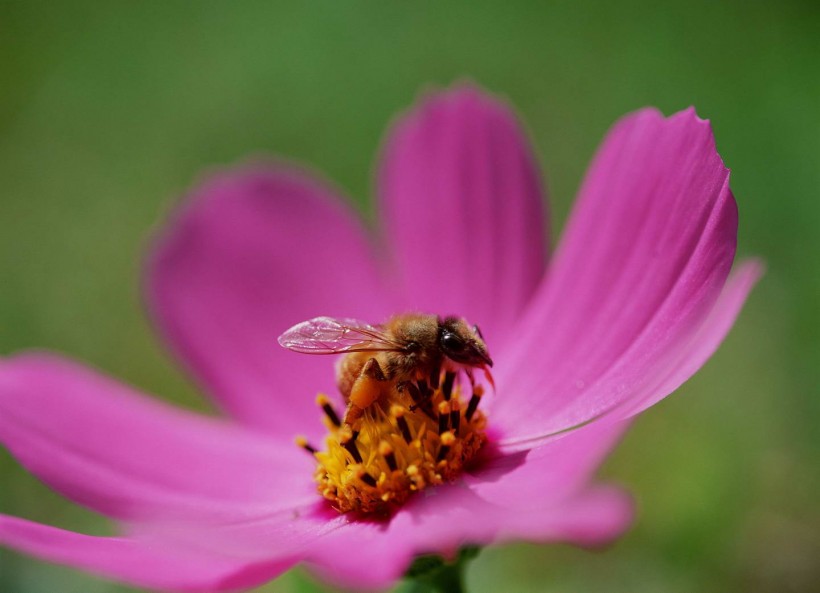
<point>109,110</point>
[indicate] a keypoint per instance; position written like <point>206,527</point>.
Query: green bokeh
<point>109,110</point>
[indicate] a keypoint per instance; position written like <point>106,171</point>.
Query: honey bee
<point>404,353</point>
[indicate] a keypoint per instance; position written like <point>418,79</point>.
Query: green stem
<point>431,573</point>
<point>449,579</point>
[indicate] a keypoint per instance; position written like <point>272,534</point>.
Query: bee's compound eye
<point>451,342</point>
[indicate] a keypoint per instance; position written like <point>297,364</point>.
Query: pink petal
<point>373,555</point>
<point>540,495</point>
<point>106,447</point>
<point>639,270</point>
<point>141,563</point>
<point>255,538</point>
<point>594,517</point>
<point>547,474</point>
<point>250,253</point>
<point>463,206</point>
<point>679,364</point>
<point>707,339</point>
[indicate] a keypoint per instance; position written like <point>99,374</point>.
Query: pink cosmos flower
<point>636,298</point>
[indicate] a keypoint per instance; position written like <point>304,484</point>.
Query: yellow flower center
<point>411,438</point>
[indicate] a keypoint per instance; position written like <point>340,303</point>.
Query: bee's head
<point>462,343</point>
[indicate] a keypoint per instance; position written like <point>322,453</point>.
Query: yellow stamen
<point>397,448</point>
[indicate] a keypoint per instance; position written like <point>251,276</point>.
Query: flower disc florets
<point>415,436</point>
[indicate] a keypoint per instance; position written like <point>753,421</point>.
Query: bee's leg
<point>366,389</point>
<point>420,393</point>
<point>414,392</point>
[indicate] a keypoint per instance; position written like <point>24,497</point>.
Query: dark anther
<point>472,407</point>
<point>455,418</point>
<point>435,377</point>
<point>369,480</point>
<point>443,422</point>
<point>448,439</point>
<point>389,457</point>
<point>302,442</point>
<point>331,414</point>
<point>447,387</point>
<point>350,446</point>
<point>391,462</point>
<point>404,428</point>
<point>442,452</point>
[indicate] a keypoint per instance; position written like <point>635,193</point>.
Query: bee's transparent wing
<point>328,335</point>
